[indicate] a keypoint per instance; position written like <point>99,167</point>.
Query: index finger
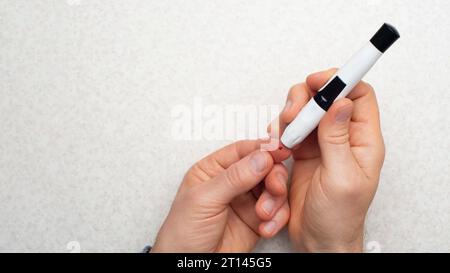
<point>298,96</point>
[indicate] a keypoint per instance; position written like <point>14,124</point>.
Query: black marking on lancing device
<point>385,37</point>
<point>329,93</point>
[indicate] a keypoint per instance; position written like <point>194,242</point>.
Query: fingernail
<point>270,227</point>
<point>287,106</point>
<point>268,206</point>
<point>258,162</point>
<point>344,113</point>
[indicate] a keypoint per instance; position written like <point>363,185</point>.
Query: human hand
<point>214,209</point>
<point>336,169</point>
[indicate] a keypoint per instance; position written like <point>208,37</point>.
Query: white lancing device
<point>339,86</point>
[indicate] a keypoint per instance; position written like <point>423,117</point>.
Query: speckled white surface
<point>87,87</point>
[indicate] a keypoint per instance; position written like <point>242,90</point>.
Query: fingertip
<point>269,229</point>
<point>276,187</point>
<point>316,80</point>
<point>312,78</point>
<point>298,96</point>
<point>343,102</point>
<point>276,181</point>
<point>281,153</point>
<point>269,128</point>
<point>339,105</point>
<point>281,189</point>
<point>261,162</point>
<point>274,195</point>
<point>264,206</point>
<point>270,160</point>
<point>362,89</point>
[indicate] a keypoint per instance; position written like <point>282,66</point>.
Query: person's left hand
<point>214,209</point>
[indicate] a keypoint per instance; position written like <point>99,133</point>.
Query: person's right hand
<point>336,169</point>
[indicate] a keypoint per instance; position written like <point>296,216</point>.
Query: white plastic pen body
<point>339,86</point>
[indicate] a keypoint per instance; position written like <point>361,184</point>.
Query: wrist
<point>317,247</point>
<point>338,244</point>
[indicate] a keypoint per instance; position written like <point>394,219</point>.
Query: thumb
<point>333,135</point>
<point>240,177</point>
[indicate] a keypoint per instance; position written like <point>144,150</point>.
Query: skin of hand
<point>214,208</point>
<point>336,168</point>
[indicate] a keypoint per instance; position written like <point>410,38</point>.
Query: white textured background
<point>87,88</point>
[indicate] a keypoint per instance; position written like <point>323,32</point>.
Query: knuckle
<point>368,88</point>
<point>338,137</point>
<point>190,176</point>
<point>381,152</point>
<point>281,169</point>
<point>196,172</point>
<point>382,149</point>
<point>190,196</point>
<point>209,166</point>
<point>351,189</point>
<point>238,143</point>
<point>295,88</point>
<point>233,176</point>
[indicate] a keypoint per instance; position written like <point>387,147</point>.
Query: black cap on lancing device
<point>385,37</point>
<point>339,85</point>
